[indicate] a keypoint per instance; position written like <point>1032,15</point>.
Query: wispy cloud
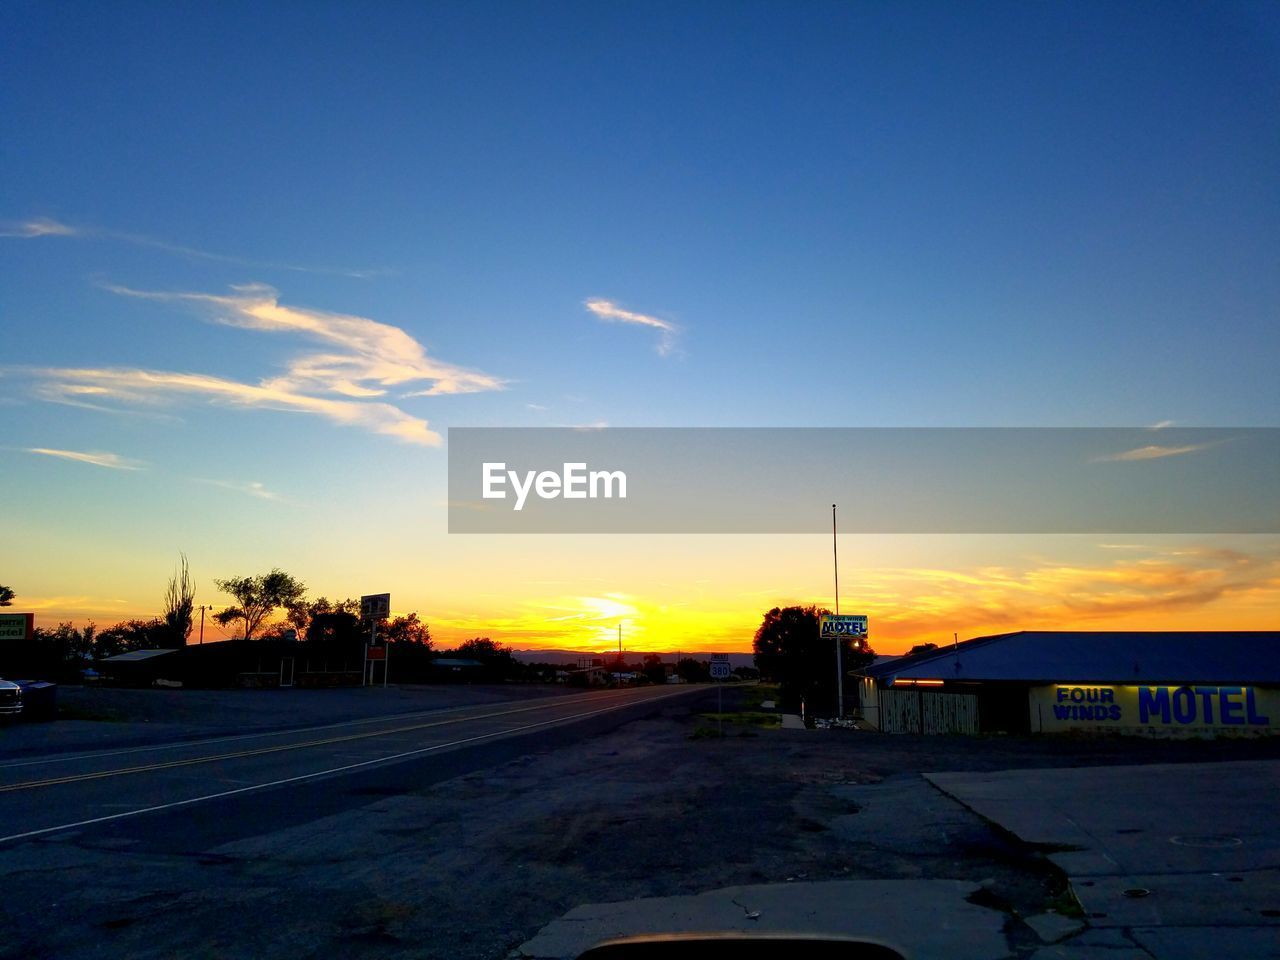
<point>45,227</point>
<point>251,487</point>
<point>152,386</point>
<point>63,605</point>
<point>610,311</point>
<point>112,461</point>
<point>40,227</point>
<point>374,357</point>
<point>1145,593</point>
<point>1153,452</point>
<point>1162,425</point>
<point>365,360</point>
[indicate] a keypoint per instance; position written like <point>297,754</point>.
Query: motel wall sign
<point>1158,709</point>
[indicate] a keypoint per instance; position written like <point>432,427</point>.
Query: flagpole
<point>835,558</point>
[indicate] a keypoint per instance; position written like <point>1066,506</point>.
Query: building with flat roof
<point>1153,683</point>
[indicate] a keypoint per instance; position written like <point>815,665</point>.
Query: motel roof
<point>1051,656</point>
<point>135,656</point>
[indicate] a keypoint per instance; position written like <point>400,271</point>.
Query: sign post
<point>720,673</point>
<point>841,627</point>
<point>375,607</point>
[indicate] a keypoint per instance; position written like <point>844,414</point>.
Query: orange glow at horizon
<point>1177,586</point>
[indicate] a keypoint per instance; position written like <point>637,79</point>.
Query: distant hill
<point>571,656</point>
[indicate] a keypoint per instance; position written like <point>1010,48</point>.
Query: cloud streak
<point>45,227</point>
<point>362,362</point>
<point>40,227</point>
<point>1183,590</point>
<point>151,386</point>
<point>1152,452</point>
<point>251,487</point>
<point>609,311</point>
<point>373,356</point>
<point>112,461</point>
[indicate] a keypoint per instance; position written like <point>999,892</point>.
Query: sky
<point>257,259</point>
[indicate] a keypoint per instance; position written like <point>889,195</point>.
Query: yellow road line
<point>44,831</point>
<point>190,761</point>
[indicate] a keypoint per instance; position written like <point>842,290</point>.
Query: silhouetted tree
<point>257,597</point>
<point>59,654</point>
<point>788,650</point>
<point>407,630</point>
<point>499,662</point>
<point>694,671</point>
<point>300,613</point>
<point>179,603</point>
<point>129,635</point>
<point>654,670</point>
<point>922,648</point>
<point>6,595</point>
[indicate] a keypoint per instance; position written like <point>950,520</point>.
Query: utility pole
<point>835,558</point>
<point>203,608</point>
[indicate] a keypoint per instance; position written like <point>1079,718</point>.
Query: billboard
<point>1156,710</point>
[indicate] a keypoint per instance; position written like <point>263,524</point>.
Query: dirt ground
<point>470,867</point>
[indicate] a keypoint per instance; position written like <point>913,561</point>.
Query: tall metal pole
<point>202,624</point>
<point>835,556</point>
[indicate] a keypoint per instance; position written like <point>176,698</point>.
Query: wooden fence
<point>928,711</point>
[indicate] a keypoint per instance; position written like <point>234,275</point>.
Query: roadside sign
<point>16,626</point>
<point>720,666</point>
<point>375,606</point>
<point>852,625</point>
<point>377,653</point>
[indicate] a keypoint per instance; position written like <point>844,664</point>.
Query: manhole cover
<point>1207,840</point>
<point>1136,892</point>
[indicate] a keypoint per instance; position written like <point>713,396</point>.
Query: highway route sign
<point>720,666</point>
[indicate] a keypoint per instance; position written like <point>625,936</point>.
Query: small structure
<point>1156,683</point>
<point>456,670</point>
<point>141,668</point>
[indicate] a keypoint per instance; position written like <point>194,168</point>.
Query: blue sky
<point>848,214</point>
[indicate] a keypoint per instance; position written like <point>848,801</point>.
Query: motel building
<point>1157,684</point>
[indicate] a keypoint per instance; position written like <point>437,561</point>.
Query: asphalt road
<point>227,787</point>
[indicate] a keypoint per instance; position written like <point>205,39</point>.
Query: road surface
<point>239,785</point>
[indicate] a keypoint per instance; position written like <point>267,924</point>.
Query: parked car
<point>28,699</point>
<point>10,699</point>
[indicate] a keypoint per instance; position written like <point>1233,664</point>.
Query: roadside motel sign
<point>17,626</point>
<point>375,606</point>
<point>833,626</point>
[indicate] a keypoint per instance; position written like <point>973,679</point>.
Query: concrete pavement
<point>1178,860</point>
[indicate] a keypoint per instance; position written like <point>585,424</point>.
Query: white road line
<point>278,748</point>
<point>200,741</point>
<point>332,770</point>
